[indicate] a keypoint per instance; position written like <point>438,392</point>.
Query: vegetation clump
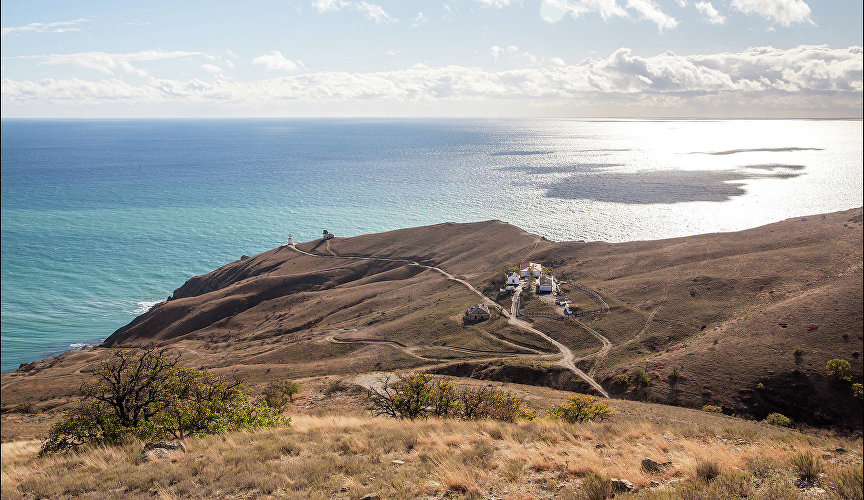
<point>838,370</point>
<point>280,393</point>
<point>639,378</point>
<point>712,409</point>
<point>581,408</point>
<point>707,471</point>
<point>777,419</point>
<point>147,396</point>
<point>857,391</point>
<point>419,396</point>
<point>807,467</point>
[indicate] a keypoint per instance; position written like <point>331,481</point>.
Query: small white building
<point>513,279</point>
<point>480,312</point>
<point>290,239</point>
<point>530,269</point>
<point>546,283</point>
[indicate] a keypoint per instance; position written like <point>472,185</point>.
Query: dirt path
<point>567,359</point>
<point>604,350</point>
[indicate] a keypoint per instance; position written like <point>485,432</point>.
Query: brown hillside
<point>713,305</point>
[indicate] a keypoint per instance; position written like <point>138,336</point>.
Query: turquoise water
<point>102,218</point>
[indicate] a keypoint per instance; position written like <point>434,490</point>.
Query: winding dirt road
<point>567,359</point>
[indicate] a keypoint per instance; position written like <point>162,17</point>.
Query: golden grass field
<point>323,455</point>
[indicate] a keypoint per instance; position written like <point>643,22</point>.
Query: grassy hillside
<point>343,456</point>
<point>748,320</point>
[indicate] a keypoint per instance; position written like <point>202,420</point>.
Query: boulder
<point>160,451</point>
<point>621,485</point>
<point>653,466</point>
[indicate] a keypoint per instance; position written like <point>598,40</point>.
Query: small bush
<point>777,419</point>
<point>621,379</point>
<point>857,391</point>
<point>807,466</point>
<point>707,471</point>
<point>712,409</point>
<point>580,408</point>
<point>675,375</point>
<point>280,393</point>
<point>419,396</point>
<point>595,487</point>
<point>639,378</point>
<point>838,370</point>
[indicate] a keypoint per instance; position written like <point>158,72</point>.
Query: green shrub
<point>418,396</point>
<point>639,378</point>
<point>807,466</point>
<point>580,408</point>
<point>777,419</point>
<point>838,370</point>
<point>280,393</point>
<point>146,396</point>
<point>857,391</point>
<point>712,409</point>
<point>675,375</point>
<point>707,471</point>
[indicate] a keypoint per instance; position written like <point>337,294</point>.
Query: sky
<point>481,58</point>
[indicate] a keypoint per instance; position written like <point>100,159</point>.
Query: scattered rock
<point>653,466</point>
<point>163,451</point>
<point>343,489</point>
<point>840,450</point>
<point>244,257</point>
<point>397,462</point>
<point>599,445</point>
<point>826,455</point>
<point>371,496</point>
<point>621,485</point>
<point>812,326</point>
<point>740,442</point>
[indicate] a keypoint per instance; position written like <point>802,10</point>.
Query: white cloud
<point>420,19</point>
<point>498,4</point>
<point>811,77</point>
<point>108,63</point>
<point>651,11</point>
<point>275,61</point>
<point>55,27</point>
<point>784,12</point>
<point>512,51</point>
<point>211,68</point>
<point>371,11</point>
<point>711,14</point>
<point>553,10</point>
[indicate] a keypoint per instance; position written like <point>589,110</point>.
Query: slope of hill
<point>749,319</point>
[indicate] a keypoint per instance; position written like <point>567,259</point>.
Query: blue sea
<point>103,218</point>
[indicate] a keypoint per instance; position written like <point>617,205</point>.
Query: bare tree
<point>131,384</point>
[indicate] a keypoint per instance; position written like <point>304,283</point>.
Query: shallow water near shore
<point>101,219</point>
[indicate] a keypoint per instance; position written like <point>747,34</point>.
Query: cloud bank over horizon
<point>802,81</point>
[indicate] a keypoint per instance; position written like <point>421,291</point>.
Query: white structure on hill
<point>530,269</point>
<point>546,283</point>
<point>513,279</point>
<point>480,312</point>
<point>290,239</point>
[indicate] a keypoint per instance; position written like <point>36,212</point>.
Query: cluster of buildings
<point>545,282</point>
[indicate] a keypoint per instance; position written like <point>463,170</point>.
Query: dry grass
<point>351,456</point>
